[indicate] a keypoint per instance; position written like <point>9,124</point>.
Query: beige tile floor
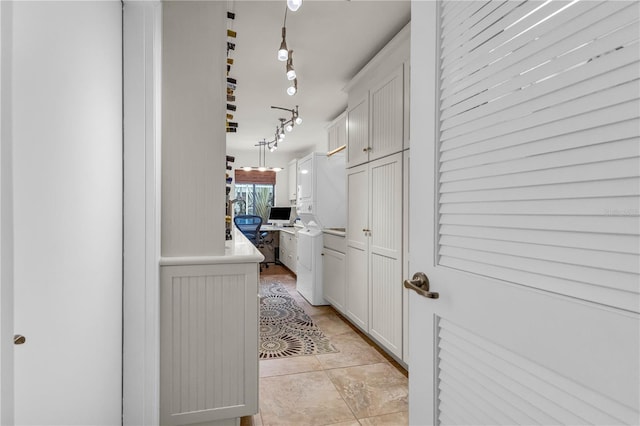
<point>359,385</point>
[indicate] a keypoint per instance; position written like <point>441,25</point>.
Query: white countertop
<point>237,250</point>
<point>288,229</point>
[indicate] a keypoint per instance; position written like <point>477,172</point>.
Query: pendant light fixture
<point>262,158</point>
<point>294,5</point>
<point>283,52</point>
<point>291,72</point>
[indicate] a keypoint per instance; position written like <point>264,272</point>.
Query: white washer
<point>309,266</point>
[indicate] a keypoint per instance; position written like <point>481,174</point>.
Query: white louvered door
<point>525,212</point>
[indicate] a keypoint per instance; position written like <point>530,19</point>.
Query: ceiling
<point>331,40</point>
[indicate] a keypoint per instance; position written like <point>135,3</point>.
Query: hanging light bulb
<point>294,5</point>
<point>298,120</point>
<point>283,52</point>
<point>289,127</point>
<point>247,169</point>
<point>275,146</point>
<point>291,90</point>
<point>291,73</point>
<point>281,137</point>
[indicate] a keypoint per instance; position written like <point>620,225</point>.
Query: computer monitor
<point>279,216</point>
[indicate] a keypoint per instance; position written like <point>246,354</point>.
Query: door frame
<point>142,35</point>
<point>142,62</point>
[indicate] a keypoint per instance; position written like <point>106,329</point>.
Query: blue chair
<point>250,225</point>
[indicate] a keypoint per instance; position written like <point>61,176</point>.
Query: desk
<point>283,245</point>
<point>270,243</point>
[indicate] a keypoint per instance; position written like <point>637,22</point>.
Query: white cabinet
<point>358,132</point>
<point>374,250</point>
<point>337,132</point>
<point>378,104</point>
<point>289,249</point>
<point>321,190</point>
<point>357,253</point>
<point>293,180</point>
<point>208,341</point>
<point>334,274</point>
<point>376,120</point>
<point>386,115</point>
<point>305,175</point>
<point>385,252</point>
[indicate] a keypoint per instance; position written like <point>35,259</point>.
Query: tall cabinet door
<point>385,247</point>
<point>66,200</point>
<point>386,108</point>
<point>358,133</point>
<point>357,304</point>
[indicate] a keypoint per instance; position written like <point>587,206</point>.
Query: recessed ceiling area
<point>331,42</point>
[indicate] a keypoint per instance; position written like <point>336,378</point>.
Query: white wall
<point>193,128</point>
<point>67,198</point>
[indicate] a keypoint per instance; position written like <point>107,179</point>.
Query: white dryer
<point>320,203</point>
<point>309,266</point>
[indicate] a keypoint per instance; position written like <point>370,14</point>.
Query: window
<point>257,190</point>
<point>257,197</point>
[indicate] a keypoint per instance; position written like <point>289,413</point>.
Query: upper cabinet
<point>358,132</point>
<point>386,116</point>
<point>378,107</point>
<point>293,180</point>
<point>337,133</point>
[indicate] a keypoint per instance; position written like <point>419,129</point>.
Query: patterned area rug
<point>285,329</point>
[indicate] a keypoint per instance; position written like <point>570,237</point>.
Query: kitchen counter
<point>198,293</point>
<point>237,250</point>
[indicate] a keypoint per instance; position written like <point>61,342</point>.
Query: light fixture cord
<point>285,16</point>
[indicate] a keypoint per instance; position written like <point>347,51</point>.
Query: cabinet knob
<point>19,339</point>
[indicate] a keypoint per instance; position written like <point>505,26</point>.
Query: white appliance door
<point>305,179</point>
<point>514,218</point>
<point>305,249</point>
<point>304,266</point>
<point>67,192</point>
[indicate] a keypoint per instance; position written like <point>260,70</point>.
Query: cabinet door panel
<point>333,264</point>
<point>387,116</point>
<point>293,179</point>
<point>385,309</point>
<point>357,306</point>
<point>341,132</point>
<point>332,136</point>
<point>357,206</point>
<point>385,213</point>
<point>358,133</point>
<point>385,246</point>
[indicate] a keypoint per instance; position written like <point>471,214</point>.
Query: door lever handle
<point>420,284</point>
